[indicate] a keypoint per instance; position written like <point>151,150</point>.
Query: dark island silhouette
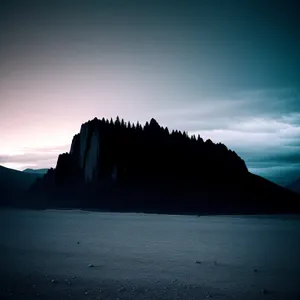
<point>119,166</point>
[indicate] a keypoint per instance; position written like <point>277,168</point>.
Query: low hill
<point>13,183</point>
<point>36,171</point>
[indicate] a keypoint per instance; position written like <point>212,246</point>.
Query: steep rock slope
<point>295,186</point>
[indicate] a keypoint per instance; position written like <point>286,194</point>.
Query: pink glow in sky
<point>191,66</point>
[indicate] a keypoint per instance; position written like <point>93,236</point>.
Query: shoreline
<point>290,215</point>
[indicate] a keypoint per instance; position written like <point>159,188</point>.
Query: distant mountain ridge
<point>14,183</point>
<point>36,171</point>
<point>114,165</point>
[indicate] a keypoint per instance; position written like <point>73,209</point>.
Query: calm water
<point>155,248</point>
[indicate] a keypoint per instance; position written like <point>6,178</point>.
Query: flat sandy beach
<point>91,255</point>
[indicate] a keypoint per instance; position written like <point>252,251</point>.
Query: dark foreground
<point>90,255</point>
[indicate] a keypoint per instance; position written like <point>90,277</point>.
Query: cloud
<point>30,157</point>
<point>288,157</point>
<point>269,147</point>
<point>26,157</point>
<point>262,126</point>
<point>259,137</point>
<point>235,108</point>
<point>282,174</point>
<point>275,102</point>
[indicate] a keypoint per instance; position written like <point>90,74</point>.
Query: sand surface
<point>91,255</point>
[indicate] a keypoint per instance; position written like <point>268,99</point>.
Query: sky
<point>228,70</point>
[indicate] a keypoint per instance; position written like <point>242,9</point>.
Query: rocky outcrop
<point>119,166</point>
<point>75,147</point>
<point>85,133</point>
<point>91,165</point>
<point>104,149</point>
<point>85,151</point>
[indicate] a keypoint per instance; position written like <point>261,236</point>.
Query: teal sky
<point>229,70</point>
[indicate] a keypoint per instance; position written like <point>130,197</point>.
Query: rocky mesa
<point>116,165</point>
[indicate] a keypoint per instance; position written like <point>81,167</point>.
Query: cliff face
<point>85,151</point>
